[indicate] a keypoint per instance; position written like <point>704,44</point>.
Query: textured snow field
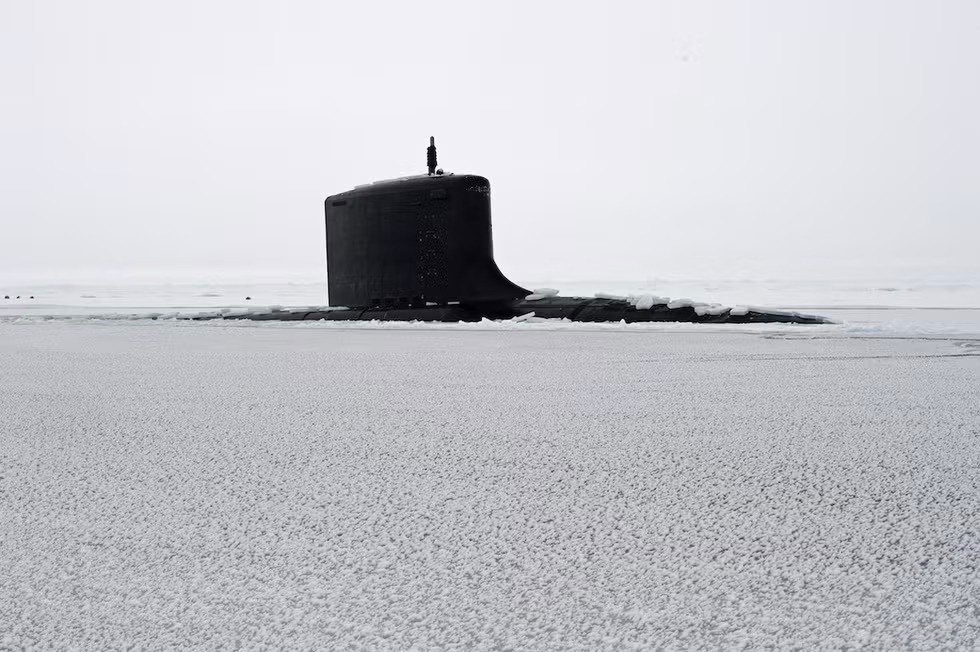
<point>172,485</point>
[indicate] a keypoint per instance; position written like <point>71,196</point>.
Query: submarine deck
<point>569,308</point>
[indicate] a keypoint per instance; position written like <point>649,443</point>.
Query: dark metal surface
<point>413,242</point>
<point>577,309</point>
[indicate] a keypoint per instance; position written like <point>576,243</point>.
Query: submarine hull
<point>576,309</point>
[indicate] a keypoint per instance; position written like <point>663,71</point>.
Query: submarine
<point>420,248</point>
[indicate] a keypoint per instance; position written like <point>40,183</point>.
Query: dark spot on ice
<point>6,296</point>
<point>248,298</point>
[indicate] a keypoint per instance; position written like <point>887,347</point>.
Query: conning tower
<point>414,242</point>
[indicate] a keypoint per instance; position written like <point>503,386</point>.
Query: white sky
<point>622,139</point>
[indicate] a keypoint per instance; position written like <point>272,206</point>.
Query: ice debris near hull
<point>602,309</point>
<point>576,309</point>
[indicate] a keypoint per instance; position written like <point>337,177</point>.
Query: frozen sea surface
<point>905,305</point>
<point>215,485</point>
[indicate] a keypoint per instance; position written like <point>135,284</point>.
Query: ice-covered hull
<point>614,310</point>
<point>576,309</point>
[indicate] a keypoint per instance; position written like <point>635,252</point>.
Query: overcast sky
<point>622,139</point>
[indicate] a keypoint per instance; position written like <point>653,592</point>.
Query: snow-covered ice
<point>317,486</point>
<point>541,293</point>
<point>646,301</point>
<point>948,305</point>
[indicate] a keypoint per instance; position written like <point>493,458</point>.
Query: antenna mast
<point>430,155</point>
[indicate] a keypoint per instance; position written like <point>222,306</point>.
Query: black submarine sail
<point>421,248</point>
<point>415,242</point>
